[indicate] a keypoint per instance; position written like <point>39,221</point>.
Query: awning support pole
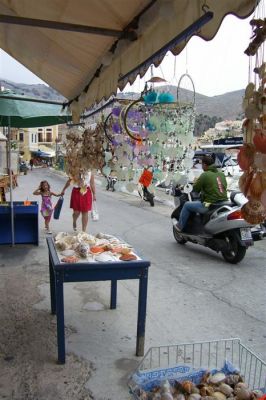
<point>10,184</point>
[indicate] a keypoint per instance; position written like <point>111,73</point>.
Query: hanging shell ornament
<point>249,178</point>
<point>255,187</point>
<point>84,152</point>
<point>247,130</point>
<point>258,37</point>
<point>249,90</point>
<point>252,111</point>
<point>242,183</point>
<point>245,156</point>
<point>254,212</point>
<point>260,161</point>
<point>263,198</point>
<point>259,141</point>
<point>263,180</point>
<point>251,155</point>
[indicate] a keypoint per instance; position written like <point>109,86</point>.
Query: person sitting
<point>145,180</point>
<point>212,186</point>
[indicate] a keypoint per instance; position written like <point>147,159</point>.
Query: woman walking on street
<point>82,196</point>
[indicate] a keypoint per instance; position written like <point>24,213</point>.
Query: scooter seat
<point>214,206</point>
<point>206,216</point>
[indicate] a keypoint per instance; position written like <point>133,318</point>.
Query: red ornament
<point>259,141</point>
<point>245,156</point>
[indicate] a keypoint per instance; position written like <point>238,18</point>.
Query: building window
<point>40,136</point>
<point>21,136</point>
<point>49,136</point>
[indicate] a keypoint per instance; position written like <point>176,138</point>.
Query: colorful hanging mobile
<point>153,131</point>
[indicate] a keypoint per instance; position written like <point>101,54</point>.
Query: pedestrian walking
<point>47,206</point>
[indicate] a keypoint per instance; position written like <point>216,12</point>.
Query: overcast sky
<point>216,67</point>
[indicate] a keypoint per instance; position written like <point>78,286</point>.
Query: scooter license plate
<point>245,234</point>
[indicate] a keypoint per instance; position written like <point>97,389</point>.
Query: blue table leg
<point>143,287</point>
<point>60,317</point>
<point>113,295</point>
<point>52,287</point>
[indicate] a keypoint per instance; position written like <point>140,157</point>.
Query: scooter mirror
<point>188,188</point>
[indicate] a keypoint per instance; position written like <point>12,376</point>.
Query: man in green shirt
<point>211,184</point>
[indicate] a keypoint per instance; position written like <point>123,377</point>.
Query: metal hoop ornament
<point>128,131</point>
<point>105,127</point>
<point>179,105</point>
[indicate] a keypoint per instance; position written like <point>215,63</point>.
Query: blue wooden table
<point>113,271</point>
<point>25,218</point>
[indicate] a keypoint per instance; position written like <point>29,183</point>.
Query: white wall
<point>3,161</point>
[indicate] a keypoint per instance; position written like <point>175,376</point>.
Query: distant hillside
<point>226,106</point>
<point>40,90</point>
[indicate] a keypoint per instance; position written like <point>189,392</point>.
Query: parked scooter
<point>145,181</point>
<point>111,181</point>
<point>222,228</point>
<point>145,194</point>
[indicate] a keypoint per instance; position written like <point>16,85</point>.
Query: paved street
<point>193,294</point>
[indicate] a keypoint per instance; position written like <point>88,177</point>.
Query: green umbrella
<point>18,111</point>
<point>25,112</point>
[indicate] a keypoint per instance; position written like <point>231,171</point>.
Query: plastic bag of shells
<point>211,386</point>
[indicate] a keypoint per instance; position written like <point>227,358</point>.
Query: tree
<point>203,123</point>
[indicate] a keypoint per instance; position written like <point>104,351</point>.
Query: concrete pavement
<point>193,295</point>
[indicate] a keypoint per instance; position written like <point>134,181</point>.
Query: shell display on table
<point>68,253</point>
<point>104,257</point>
<point>85,247</point>
<point>83,250</point>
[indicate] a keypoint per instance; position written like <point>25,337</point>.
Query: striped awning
<point>85,49</point>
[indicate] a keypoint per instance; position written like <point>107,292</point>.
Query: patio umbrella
<point>18,111</point>
<point>25,112</point>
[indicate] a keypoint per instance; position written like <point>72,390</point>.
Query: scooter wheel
<point>236,252</point>
<point>178,237</point>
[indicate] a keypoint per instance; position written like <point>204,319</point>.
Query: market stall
<point>85,265</point>
<point>18,111</point>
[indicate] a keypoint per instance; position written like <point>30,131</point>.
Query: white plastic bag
<point>94,212</point>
